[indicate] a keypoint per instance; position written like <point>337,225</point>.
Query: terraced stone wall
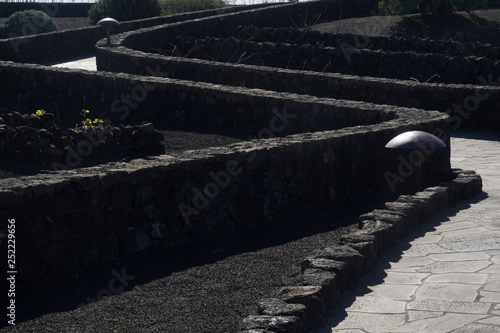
<point>124,98</point>
<point>407,65</point>
<point>53,47</point>
<point>313,152</point>
<point>470,105</point>
<point>71,220</point>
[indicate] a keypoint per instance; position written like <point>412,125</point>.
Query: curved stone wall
<point>53,47</point>
<point>312,151</point>
<point>469,105</point>
<point>71,220</point>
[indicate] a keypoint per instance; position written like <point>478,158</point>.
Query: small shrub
<point>170,7</point>
<point>435,7</point>
<point>28,22</point>
<point>124,10</point>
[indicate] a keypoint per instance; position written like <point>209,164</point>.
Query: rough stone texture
<point>312,297</point>
<point>41,141</point>
<point>353,259</point>
<point>168,200</point>
<point>322,272</point>
<point>277,307</point>
<point>80,42</point>
<point>134,241</point>
<point>99,225</point>
<point>233,108</point>
<point>329,282</point>
<point>366,244</point>
<point>279,324</point>
<point>331,56</point>
<point>324,264</point>
<point>378,87</point>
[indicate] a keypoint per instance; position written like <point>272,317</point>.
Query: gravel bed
<point>203,287</point>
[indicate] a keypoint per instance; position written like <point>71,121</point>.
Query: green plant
<point>28,22</point>
<point>435,7</point>
<point>88,123</point>
<point>182,6</point>
<point>124,10</point>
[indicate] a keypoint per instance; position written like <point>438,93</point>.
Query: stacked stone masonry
<point>323,129</point>
<point>79,218</point>
<point>301,62</point>
<point>71,220</point>
<point>37,139</point>
<point>330,271</point>
<point>80,42</point>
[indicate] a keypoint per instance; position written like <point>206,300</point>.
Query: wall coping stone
<point>320,293</point>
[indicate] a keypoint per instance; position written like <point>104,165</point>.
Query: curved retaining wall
<point>53,47</point>
<point>129,98</point>
<point>469,105</point>
<point>448,47</point>
<point>71,220</point>
<point>328,272</point>
<point>307,52</point>
<point>60,45</point>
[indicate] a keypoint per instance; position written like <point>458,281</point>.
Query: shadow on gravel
<point>49,296</point>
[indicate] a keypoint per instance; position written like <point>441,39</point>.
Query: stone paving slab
<point>88,64</point>
<point>445,277</point>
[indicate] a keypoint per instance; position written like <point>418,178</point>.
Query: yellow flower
<point>89,123</point>
<point>40,112</point>
<point>84,113</point>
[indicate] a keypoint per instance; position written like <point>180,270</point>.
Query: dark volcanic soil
<point>210,286</point>
<point>483,26</point>
<point>176,142</point>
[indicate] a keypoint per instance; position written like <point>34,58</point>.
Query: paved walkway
<point>83,63</point>
<point>446,276</point>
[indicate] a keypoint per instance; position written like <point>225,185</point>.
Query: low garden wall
<point>350,42</point>
<point>328,272</point>
<point>403,65</point>
<point>129,98</point>
<point>53,47</point>
<point>70,220</point>
<point>469,105</point>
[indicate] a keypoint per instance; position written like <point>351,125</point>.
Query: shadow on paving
<point>378,274</point>
<point>479,135</point>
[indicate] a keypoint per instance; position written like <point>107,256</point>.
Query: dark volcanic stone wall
<point>469,105</point>
<point>124,98</point>
<point>404,65</point>
<point>56,46</point>
<point>69,221</point>
<point>53,47</point>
